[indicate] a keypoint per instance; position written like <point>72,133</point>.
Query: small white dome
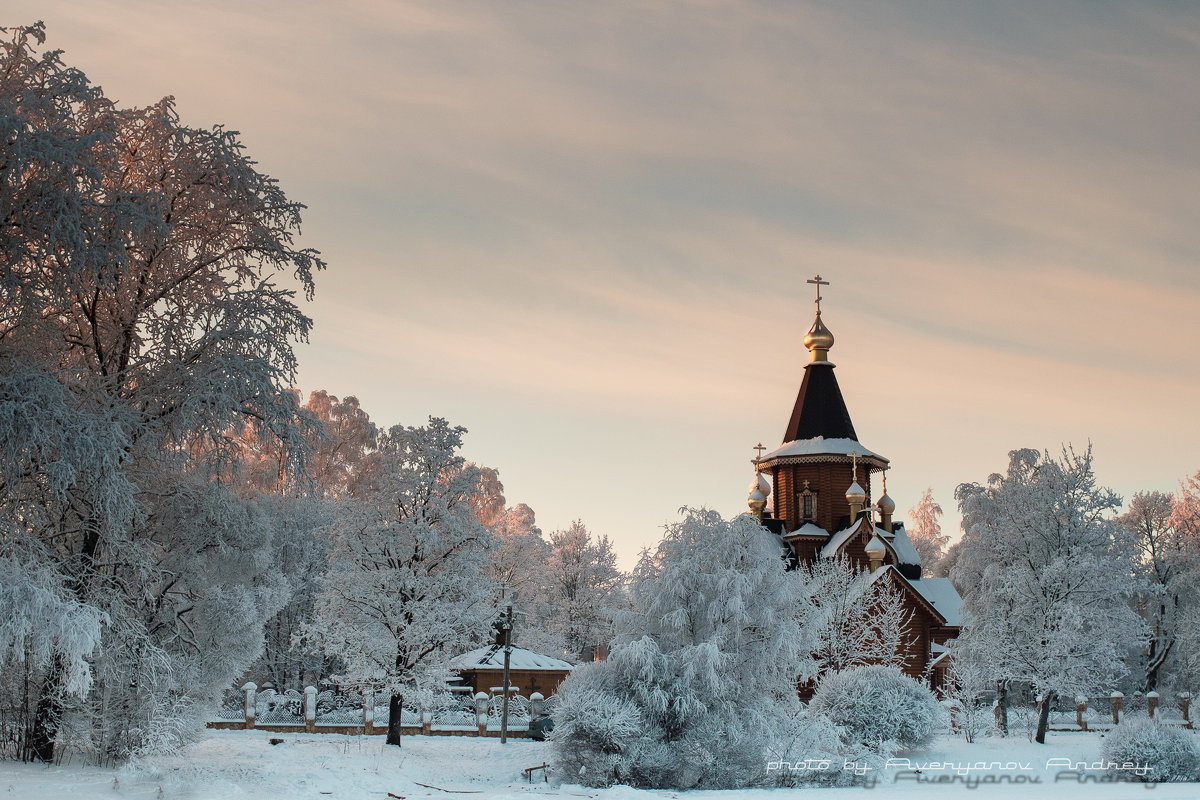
<point>876,547</point>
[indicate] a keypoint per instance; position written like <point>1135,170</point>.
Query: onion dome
<point>856,494</point>
<point>818,340</point>
<point>886,504</point>
<point>760,487</point>
<point>761,483</point>
<point>876,549</point>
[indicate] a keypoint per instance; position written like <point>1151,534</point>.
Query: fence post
<point>310,708</point>
<point>1151,703</point>
<point>250,707</point>
<point>537,706</point>
<point>368,710</point>
<point>1185,706</point>
<point>426,721</point>
<point>1081,709</point>
<point>1118,702</point>
<point>481,712</point>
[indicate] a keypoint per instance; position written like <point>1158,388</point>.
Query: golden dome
<point>818,340</point>
<point>856,494</point>
<point>886,504</point>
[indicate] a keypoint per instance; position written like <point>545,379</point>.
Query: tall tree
<point>407,583</point>
<point>582,589</point>
<point>925,531</point>
<point>1048,581</point>
<point>1163,566</point>
<point>141,263</point>
<point>1184,524</point>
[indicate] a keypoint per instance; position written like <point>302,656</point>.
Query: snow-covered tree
<point>339,456</point>
<point>407,582</point>
<point>1047,581</point>
<point>1184,555</point>
<point>1165,563</point>
<point>859,620</point>
<point>141,311</point>
<point>925,531</point>
<point>703,676</point>
<point>581,589</point>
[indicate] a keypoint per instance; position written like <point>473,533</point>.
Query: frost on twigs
<point>148,282</point>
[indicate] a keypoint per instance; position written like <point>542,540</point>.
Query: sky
<point>582,230</point>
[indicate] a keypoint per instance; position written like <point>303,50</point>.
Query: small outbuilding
<point>529,672</point>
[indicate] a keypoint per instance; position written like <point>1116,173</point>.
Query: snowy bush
<point>809,749</point>
<point>880,707</point>
<point>1169,753</point>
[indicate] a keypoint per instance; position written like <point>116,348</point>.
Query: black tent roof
<point>820,409</point>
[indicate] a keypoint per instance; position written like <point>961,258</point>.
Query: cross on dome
<point>817,284</point>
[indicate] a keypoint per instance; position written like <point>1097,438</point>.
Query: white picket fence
<point>328,711</point>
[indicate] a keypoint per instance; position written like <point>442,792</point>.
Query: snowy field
<point>243,764</point>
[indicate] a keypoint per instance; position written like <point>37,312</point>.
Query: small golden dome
<point>818,340</point>
<point>856,494</point>
<point>886,504</point>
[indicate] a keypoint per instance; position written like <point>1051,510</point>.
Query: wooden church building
<point>815,491</point>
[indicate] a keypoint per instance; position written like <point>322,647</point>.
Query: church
<point>814,491</point>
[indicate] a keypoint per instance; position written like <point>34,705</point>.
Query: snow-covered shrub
<point>810,750</point>
<point>880,707</point>
<point>594,729</point>
<point>1169,753</point>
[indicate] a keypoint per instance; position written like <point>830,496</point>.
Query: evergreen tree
<point>703,678</point>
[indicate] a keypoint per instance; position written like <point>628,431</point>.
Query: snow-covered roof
<point>808,529</point>
<point>820,446</point>
<point>905,552</point>
<point>830,550</point>
<point>492,657</point>
<point>942,595</point>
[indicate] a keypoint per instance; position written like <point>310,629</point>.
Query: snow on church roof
<point>942,595</point>
<point>820,446</point>
<point>905,552</point>
<point>808,529</point>
<point>831,548</point>
<point>492,657</point>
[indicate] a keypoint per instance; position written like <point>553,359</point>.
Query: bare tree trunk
<point>48,715</point>
<point>1044,702</point>
<point>44,731</point>
<point>1001,706</point>
<point>395,710</point>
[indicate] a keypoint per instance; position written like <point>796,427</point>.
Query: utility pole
<point>506,625</point>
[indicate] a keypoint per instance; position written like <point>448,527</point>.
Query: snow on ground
<point>243,764</point>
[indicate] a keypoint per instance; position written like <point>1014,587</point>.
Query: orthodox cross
<point>817,284</point>
<point>759,448</point>
<point>854,463</point>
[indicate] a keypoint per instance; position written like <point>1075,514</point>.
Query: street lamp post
<point>506,625</point>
